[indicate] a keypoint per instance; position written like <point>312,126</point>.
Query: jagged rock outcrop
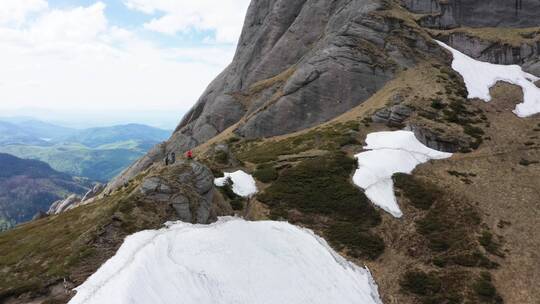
<point>303,62</point>
<point>525,53</point>
<point>97,189</point>
<point>188,187</point>
<point>393,116</point>
<point>63,205</point>
<point>473,13</point>
<point>298,63</point>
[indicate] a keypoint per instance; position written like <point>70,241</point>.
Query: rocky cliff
<point>300,63</point>
<point>310,80</point>
<point>471,13</point>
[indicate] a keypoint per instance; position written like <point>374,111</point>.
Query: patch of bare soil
<point>504,183</point>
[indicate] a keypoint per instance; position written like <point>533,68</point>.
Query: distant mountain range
<point>30,186</point>
<point>96,153</point>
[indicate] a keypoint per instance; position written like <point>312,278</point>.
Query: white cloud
<point>225,17</point>
<point>15,11</point>
<point>75,59</point>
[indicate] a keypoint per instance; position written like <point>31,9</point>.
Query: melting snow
<point>480,76</point>
<point>391,152</point>
<point>243,183</point>
<point>231,261</point>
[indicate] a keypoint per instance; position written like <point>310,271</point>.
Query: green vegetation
<point>75,242</point>
<point>421,195</point>
<point>30,186</point>
<point>78,160</point>
<point>322,187</point>
<point>491,246</point>
<point>438,104</point>
<point>237,202</point>
<point>421,283</point>
<point>98,154</point>
<point>485,290</point>
<point>221,157</point>
<point>448,228</point>
<point>448,225</point>
<point>325,138</point>
<point>526,162</point>
<point>265,173</point>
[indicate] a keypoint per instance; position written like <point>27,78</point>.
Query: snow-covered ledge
<point>231,261</point>
<point>243,184</point>
<point>480,76</point>
<point>391,152</point>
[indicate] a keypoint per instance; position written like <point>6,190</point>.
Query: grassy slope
<point>430,255</point>
<point>72,245</point>
<point>450,245</point>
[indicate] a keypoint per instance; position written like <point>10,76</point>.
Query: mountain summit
<point>404,134</point>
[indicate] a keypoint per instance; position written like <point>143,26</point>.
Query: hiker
<point>189,154</point>
<point>173,158</point>
<point>167,160</point>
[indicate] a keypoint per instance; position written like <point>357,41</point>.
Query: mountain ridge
<point>28,187</point>
<point>468,231</point>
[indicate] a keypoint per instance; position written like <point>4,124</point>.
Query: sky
<point>102,62</point>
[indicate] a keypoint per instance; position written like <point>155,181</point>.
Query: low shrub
<point>265,173</point>
<point>421,195</point>
<point>438,104</point>
<point>237,204</point>
<point>322,187</point>
<point>485,290</point>
<point>221,157</point>
<point>420,283</point>
<point>358,242</point>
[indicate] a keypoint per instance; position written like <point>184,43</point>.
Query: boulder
<point>393,116</point>
<point>187,186</point>
<point>63,205</point>
<point>93,192</point>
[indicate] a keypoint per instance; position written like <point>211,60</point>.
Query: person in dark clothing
<point>173,158</point>
<point>167,160</point>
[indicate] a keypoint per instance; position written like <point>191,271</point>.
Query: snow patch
<point>243,184</point>
<point>391,152</point>
<point>231,261</point>
<point>480,76</point>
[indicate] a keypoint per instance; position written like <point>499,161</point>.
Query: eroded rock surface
<point>298,63</point>
<point>188,187</point>
<point>63,205</point>
<point>474,13</point>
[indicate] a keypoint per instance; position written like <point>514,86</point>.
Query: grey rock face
<point>526,54</point>
<point>187,186</point>
<point>63,205</point>
<point>93,192</point>
<point>435,140</point>
<point>393,116</point>
<point>473,13</point>
<point>324,57</point>
<point>298,63</point>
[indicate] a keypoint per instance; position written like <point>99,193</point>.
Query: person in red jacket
<point>189,154</point>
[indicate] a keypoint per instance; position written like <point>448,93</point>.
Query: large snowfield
<point>480,76</point>
<point>229,262</point>
<point>391,152</point>
<point>243,184</point>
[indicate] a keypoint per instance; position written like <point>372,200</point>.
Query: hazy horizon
<point>167,120</point>
<point>101,62</point>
